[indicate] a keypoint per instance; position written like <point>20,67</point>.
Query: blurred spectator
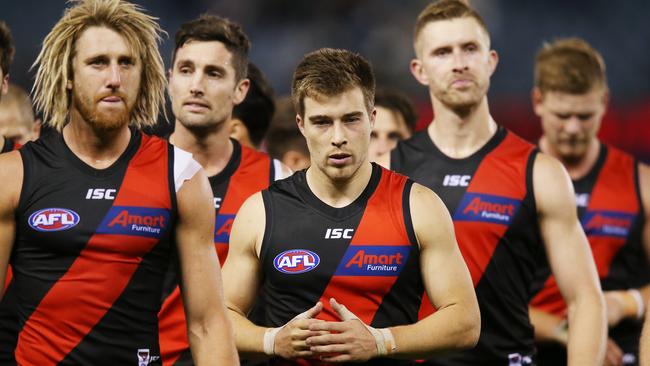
<point>284,140</point>
<point>396,119</point>
<point>17,121</point>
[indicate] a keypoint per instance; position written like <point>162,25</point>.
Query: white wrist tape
<point>269,340</point>
<point>269,335</point>
<point>383,339</point>
<point>640,307</point>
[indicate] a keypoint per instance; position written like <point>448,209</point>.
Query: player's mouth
<point>462,83</point>
<point>339,159</point>
<point>194,105</point>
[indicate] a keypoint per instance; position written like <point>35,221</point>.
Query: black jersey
<point>611,213</point>
<point>490,197</point>
<point>364,255</point>
<point>91,249</point>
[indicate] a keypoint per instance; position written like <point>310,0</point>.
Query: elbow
<point>471,330</point>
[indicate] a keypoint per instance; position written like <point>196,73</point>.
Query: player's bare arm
<point>242,272</point>
<point>11,173</point>
<point>456,324</point>
<point>209,330</point>
<point>571,261</point>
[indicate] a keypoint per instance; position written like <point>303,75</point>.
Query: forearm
<point>249,338</point>
<point>587,329</point>
<point>211,341</point>
<point>644,347</point>
<point>454,327</point>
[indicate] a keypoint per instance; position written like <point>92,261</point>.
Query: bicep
<point>242,271</point>
<point>200,275</point>
<point>567,249</point>
<point>444,272</point>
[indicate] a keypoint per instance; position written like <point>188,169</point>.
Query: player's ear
<point>418,71</point>
<point>301,123</point>
<point>241,89</point>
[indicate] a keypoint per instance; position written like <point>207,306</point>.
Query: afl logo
<point>296,261</point>
<point>53,219</point>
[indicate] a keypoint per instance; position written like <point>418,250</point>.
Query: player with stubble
<point>612,200</point>
<point>207,79</point>
<point>92,214</point>
<point>511,206</point>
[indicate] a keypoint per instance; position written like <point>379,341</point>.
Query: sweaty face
<point>337,131</point>
<point>571,121</point>
<point>202,85</point>
<point>389,129</point>
<point>455,61</point>
<point>106,80</point>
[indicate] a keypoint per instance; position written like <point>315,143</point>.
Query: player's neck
<point>459,134</point>
<point>99,148</point>
<point>210,148</point>
<point>577,167</point>
<point>338,193</point>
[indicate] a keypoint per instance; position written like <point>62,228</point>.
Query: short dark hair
<point>208,28</point>
<point>397,101</point>
<point>258,107</point>
<point>446,10</point>
<point>7,48</point>
<point>329,72</point>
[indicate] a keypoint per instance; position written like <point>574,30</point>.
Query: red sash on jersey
<point>103,269</point>
<point>381,234</point>
<point>613,208</point>
<point>497,187</point>
<point>252,175</point>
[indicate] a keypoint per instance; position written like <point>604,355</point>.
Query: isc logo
<point>100,194</point>
<point>339,233</point>
<point>296,261</point>
<point>53,219</point>
<point>456,180</point>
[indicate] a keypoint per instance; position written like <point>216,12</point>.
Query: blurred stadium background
<point>282,31</point>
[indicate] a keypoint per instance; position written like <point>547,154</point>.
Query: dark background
<point>282,31</point>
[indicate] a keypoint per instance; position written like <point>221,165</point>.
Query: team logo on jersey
<point>373,260</point>
<point>136,221</point>
<point>222,228</point>
<point>296,261</point>
<point>608,223</point>
<point>487,208</point>
<point>53,219</point>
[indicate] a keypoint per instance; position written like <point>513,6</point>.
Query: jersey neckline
<point>339,213</point>
<point>493,142</point>
<point>125,157</point>
<point>231,166</point>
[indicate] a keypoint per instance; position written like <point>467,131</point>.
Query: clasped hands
<point>343,341</point>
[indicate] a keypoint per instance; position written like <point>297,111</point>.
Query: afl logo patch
<point>296,261</point>
<point>53,219</point>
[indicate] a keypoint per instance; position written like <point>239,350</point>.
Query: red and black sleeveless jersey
<point>611,214</point>
<point>248,171</point>
<point>8,320</point>
<point>491,199</point>
<point>364,255</point>
<point>90,254</point>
